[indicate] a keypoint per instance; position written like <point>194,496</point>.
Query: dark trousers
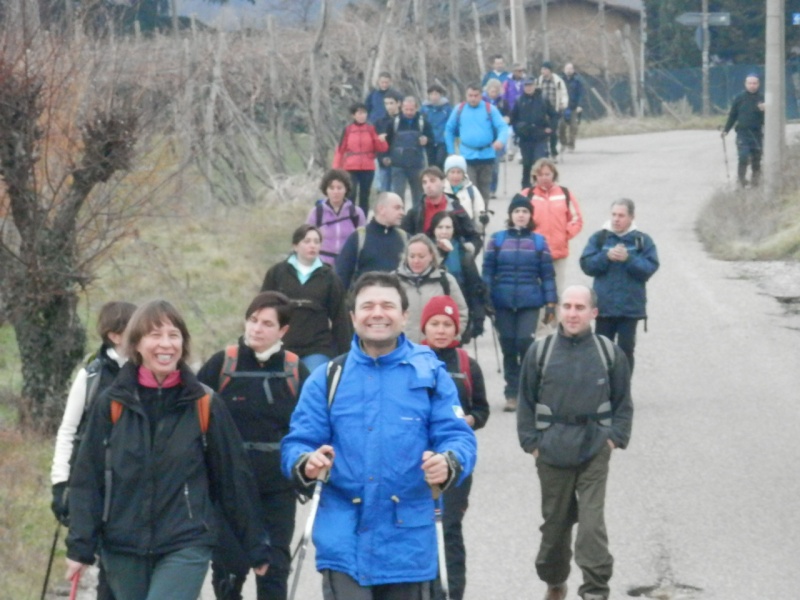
<point>401,177</point>
<point>437,153</point>
<point>515,329</point>
<point>569,496</point>
<point>480,173</point>
<point>340,586</point>
<point>456,502</point>
<point>554,137</point>
<point>621,331</point>
<point>531,152</point>
<point>362,186</point>
<point>103,588</point>
<point>231,565</point>
<point>749,146</point>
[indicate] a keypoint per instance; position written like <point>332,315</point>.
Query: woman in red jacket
<point>356,153</point>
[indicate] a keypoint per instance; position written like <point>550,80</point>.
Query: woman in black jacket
<point>158,452</point>
<point>460,263</point>
<point>320,326</point>
<point>260,383</point>
<point>440,324</point>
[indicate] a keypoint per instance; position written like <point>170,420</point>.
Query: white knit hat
<point>454,161</point>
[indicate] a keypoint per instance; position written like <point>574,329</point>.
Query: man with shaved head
<point>574,408</point>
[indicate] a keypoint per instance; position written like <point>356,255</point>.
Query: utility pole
<point>513,14</point>
<point>775,98</point>
<point>642,57</point>
<point>706,43</point>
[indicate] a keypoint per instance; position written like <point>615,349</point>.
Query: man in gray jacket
<point>574,409</point>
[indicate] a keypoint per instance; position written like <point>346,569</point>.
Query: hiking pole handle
<point>76,578</point>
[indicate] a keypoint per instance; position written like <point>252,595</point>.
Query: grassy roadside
<point>209,260</point>
<point>747,225</point>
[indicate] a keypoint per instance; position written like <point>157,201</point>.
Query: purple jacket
<point>512,90</point>
<point>335,228</point>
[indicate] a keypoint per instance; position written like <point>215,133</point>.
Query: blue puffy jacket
<point>376,514</point>
<point>518,269</point>
<point>620,286</point>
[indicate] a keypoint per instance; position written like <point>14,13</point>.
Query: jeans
<point>515,329</point>
<point>178,575</point>
<point>568,131</point>
<point>554,137</point>
<point>312,361</point>
<point>749,147</point>
<point>570,496</point>
<point>621,331</point>
<point>362,186</point>
<point>384,179</point>
<point>340,586</point>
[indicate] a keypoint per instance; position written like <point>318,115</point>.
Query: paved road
<point>707,494</point>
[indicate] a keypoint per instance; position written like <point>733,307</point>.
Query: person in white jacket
<point>98,372</point>
<point>458,184</point>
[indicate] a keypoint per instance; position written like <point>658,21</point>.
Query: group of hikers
<point>352,369</point>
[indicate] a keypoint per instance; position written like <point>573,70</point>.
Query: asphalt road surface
<point>705,501</point>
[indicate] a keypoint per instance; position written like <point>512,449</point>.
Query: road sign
<point>695,19</point>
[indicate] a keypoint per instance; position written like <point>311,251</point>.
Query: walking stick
<point>725,154</point>
<point>50,562</point>
<point>303,546</point>
<point>73,594</point>
<point>494,340</point>
<point>437,511</point>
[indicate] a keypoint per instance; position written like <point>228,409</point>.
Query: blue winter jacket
<point>473,128</point>
<point>620,286</point>
<point>437,115</point>
<point>376,514</point>
<point>518,269</point>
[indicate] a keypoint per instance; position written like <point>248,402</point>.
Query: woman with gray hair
<point>422,277</point>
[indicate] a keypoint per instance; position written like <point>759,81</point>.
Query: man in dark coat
<point>533,120</point>
<point>747,115</point>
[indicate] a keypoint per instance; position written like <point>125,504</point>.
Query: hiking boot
<point>511,405</point>
<point>556,592</point>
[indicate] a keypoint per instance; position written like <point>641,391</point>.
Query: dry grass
<point>26,524</point>
<point>746,225</point>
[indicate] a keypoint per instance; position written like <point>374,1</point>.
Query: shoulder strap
<point>203,410</point>
<point>403,234</point>
<point>353,214</point>
<point>93,370</point>
<point>566,195</point>
<point>333,374</point>
<point>319,213</point>
<point>228,365</point>
<point>464,367</point>
<point>396,123</point>
<point>639,241</point>
<point>116,411</point>
<point>445,282</point>
<point>499,238</point>
<point>601,238</point>
<point>361,235</point>
<point>291,366</point>
<point>605,347</point>
<point>471,193</point>
<point>544,349</point>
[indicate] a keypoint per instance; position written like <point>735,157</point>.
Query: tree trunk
<point>545,37</point>
<point>476,20</point>
<point>601,12</point>
<point>455,28</point>
<point>318,78</point>
<point>378,52</point>
<point>420,22</point>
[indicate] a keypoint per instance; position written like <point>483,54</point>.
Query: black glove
<point>484,218</point>
<point>477,327</point>
<point>466,336</point>
<point>60,504</point>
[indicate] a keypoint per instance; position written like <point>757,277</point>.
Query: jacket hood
<point>607,227</point>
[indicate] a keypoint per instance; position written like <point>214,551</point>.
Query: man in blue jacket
<point>621,259</point>
<point>393,429</point>
<point>481,132</point>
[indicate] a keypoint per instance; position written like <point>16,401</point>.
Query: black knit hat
<point>520,201</point>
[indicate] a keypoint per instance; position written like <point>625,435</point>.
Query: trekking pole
<point>494,340</point>
<point>50,562</point>
<point>312,513</point>
<point>436,491</point>
<point>725,154</point>
<point>475,344</point>
<point>73,594</point>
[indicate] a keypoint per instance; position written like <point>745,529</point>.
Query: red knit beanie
<point>440,305</point>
